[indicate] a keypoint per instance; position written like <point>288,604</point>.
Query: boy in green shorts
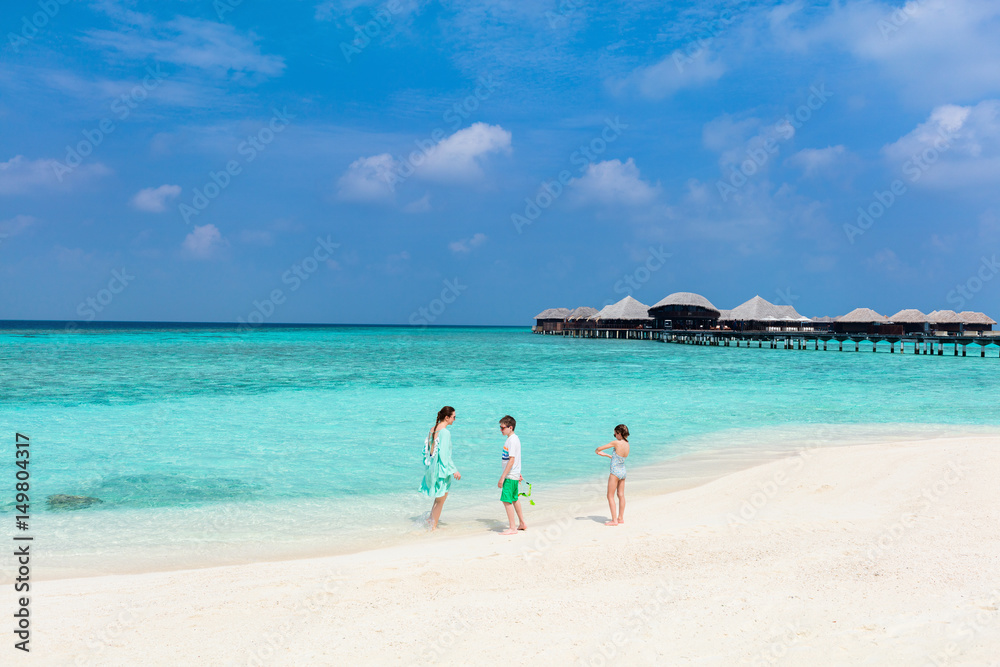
<point>511,476</point>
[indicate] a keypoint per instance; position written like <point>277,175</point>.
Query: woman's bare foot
<point>610,523</point>
<point>509,531</point>
<point>621,520</point>
<point>523,527</point>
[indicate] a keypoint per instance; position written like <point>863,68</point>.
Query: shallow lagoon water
<point>211,446</point>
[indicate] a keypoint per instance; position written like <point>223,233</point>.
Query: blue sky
<point>357,162</point>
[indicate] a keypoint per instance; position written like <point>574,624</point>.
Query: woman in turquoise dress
<point>438,466</point>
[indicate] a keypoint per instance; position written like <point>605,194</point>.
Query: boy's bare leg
<point>521,525</point>
<point>621,501</point>
<point>510,519</point>
<point>612,487</point>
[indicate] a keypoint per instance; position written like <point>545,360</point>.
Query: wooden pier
<point>940,345</point>
<point>593,332</point>
<point>957,345</point>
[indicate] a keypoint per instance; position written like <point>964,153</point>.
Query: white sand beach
<point>885,554</point>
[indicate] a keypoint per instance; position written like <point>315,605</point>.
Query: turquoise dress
<point>438,468</point>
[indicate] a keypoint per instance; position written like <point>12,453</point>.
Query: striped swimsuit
<point>617,465</point>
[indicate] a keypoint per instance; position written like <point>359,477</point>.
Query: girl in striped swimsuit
<point>616,480</point>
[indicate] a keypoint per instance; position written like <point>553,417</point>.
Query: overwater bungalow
<point>579,318</point>
<point>864,321</point>
<point>975,321</point>
<point>912,321</point>
<point>684,310</point>
<point>947,321</point>
<point>687,318</point>
<point>824,323</point>
<point>551,319</point>
<point>625,314</point>
<point>759,314</point>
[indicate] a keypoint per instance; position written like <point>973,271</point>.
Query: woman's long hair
<point>622,430</point>
<point>443,413</point>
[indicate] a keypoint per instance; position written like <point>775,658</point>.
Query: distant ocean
<point>208,445</point>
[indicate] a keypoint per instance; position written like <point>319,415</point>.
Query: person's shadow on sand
<point>597,519</point>
<point>494,525</point>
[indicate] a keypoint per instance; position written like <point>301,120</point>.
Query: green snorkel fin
<point>528,494</point>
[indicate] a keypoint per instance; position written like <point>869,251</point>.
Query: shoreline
<point>696,467</point>
<point>886,550</point>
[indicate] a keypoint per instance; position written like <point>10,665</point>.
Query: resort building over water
<point>684,310</point>
<point>691,318</point>
<point>551,319</point>
<point>759,314</point>
<point>626,314</point>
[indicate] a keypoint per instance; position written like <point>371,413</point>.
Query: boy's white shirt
<point>512,447</point>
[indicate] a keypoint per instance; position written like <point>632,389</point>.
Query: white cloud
<point>454,159</point>
<point>207,45</point>
<point>421,205</point>
<point>723,133</point>
<point>888,262</point>
<point>203,242</point>
<point>260,237</point>
<point>673,73</point>
<point>467,245</point>
<point>154,200</point>
<point>814,160</point>
<point>937,49</point>
<point>21,176</point>
<point>368,179</point>
<point>330,10</point>
<point>749,139</point>
<point>956,147</point>
<point>397,263</point>
<point>16,225</point>
<point>614,182</point>
<point>460,156</point>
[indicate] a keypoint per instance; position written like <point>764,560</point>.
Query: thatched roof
<point>552,314</point>
<point>826,319</point>
<point>725,314</point>
<point>581,313</point>
<point>945,317</point>
<point>757,308</point>
<point>685,299</point>
<point>626,309</point>
<point>862,316</point>
<point>972,317</point>
<point>909,316</point>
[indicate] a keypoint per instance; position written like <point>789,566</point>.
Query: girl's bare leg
<point>612,487</point>
<point>436,511</point>
<point>621,501</point>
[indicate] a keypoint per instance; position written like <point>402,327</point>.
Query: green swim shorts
<point>510,489</point>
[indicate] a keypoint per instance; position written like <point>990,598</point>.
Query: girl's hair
<point>622,430</point>
<point>443,413</point>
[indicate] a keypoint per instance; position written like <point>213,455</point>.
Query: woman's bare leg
<point>612,487</point>
<point>621,501</point>
<point>436,511</point>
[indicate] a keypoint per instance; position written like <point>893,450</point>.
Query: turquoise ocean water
<point>211,446</point>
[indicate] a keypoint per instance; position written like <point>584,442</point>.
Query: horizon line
<point>237,325</point>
